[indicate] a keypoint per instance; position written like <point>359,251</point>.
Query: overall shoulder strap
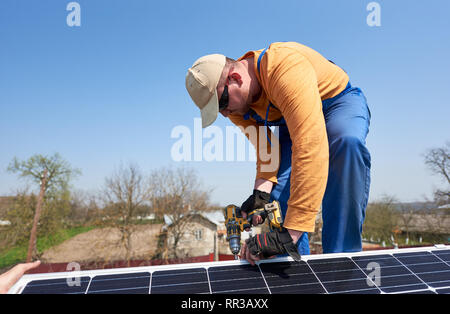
<point>252,113</point>
<point>270,104</point>
<point>259,71</point>
<point>259,60</point>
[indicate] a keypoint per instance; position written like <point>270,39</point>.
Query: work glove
<point>256,201</point>
<point>273,243</point>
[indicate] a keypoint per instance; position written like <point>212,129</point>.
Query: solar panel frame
<point>352,269</point>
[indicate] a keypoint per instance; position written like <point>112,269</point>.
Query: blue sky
<point>112,90</point>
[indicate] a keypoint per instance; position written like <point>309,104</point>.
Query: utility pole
<point>32,244</point>
<point>216,245</point>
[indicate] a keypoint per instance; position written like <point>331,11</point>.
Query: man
<point>322,123</point>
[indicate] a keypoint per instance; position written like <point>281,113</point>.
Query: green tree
<point>53,175</point>
<point>20,215</point>
<point>60,173</point>
<point>381,219</point>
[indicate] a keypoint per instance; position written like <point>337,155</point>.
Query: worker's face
<point>237,94</point>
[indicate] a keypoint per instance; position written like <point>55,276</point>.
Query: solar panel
<point>416,270</point>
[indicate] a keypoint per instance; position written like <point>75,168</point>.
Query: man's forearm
<point>263,185</point>
<point>295,234</point>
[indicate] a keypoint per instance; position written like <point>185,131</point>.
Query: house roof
<point>196,217</point>
<point>216,217</point>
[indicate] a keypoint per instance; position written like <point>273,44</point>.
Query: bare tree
<point>438,161</point>
<point>79,207</point>
<point>125,191</point>
<point>176,194</point>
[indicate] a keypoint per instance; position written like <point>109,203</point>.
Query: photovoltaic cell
<point>443,255</point>
<point>428,267</point>
<point>421,292</point>
<point>290,277</point>
<point>393,276</point>
<point>134,283</point>
<point>244,279</point>
<point>341,275</point>
<point>443,291</point>
<point>180,281</point>
<point>413,271</point>
<point>62,286</point>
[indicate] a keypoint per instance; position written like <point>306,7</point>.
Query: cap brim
<point>210,111</point>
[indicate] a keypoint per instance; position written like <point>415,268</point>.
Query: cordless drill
<point>235,223</point>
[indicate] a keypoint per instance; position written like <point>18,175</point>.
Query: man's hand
<point>245,254</point>
<point>255,201</point>
<point>266,245</point>
<point>8,279</point>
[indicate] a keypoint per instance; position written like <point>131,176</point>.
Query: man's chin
<point>243,111</point>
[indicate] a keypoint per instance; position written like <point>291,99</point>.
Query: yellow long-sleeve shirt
<point>296,79</point>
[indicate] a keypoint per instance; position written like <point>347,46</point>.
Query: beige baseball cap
<point>201,83</point>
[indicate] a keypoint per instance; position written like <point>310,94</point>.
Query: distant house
<point>435,224</point>
<point>427,223</point>
<point>194,235</point>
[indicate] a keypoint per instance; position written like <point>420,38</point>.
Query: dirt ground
<point>105,245</point>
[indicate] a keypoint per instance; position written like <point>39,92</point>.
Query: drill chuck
<point>235,244</point>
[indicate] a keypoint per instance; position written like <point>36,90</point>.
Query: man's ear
<point>236,77</point>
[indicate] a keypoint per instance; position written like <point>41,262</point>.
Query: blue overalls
<point>347,119</point>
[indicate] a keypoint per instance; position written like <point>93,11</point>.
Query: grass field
<point>18,254</point>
